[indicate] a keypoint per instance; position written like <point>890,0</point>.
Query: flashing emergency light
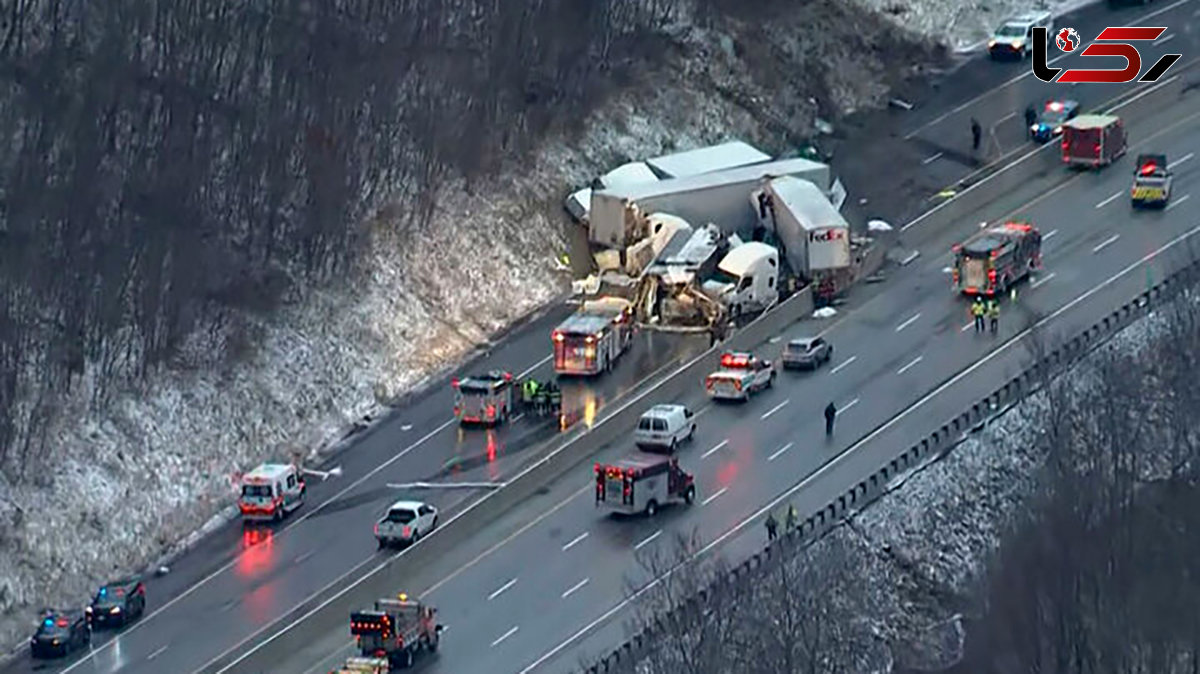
<point>558,336</point>
<point>733,360</point>
<point>48,622</point>
<point>590,338</point>
<point>1148,168</point>
<point>103,591</point>
<point>402,596</point>
<point>1054,106</point>
<point>62,622</point>
<point>454,382</point>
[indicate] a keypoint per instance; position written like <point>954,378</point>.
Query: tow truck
<point>741,375</point>
<point>1151,181</point>
<point>591,340</point>
<point>641,482</point>
<point>486,399</point>
<point>994,258</point>
<point>396,630</point>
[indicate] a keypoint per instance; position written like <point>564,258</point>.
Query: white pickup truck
<point>741,375</point>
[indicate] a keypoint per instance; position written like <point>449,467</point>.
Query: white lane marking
<point>1006,117</point>
<point>963,106</point>
<point>966,327</point>
<point>1109,200</point>
<point>838,368</point>
<point>157,653</point>
<point>575,541</point>
<point>502,589</point>
<point>907,323</point>
<point>1177,162</point>
<point>716,447</point>
<point>1042,280</point>
<point>909,258</point>
<point>932,158</point>
<point>774,340</point>
<point>1165,39</point>
<point>1178,201</point>
<point>779,451</point>
<point>833,463</point>
<point>911,363</point>
<point>577,586</point>
<point>504,636</point>
<point>848,405</point>
<point>518,417</point>
<point>406,427</point>
<point>712,498</point>
<point>775,409</point>
<point>1050,234</point>
<point>648,540</point>
<point>305,556</point>
<point>1105,243</point>
<point>535,366</point>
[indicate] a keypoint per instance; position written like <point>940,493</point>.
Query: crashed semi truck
<point>812,235</point>
<point>618,217</point>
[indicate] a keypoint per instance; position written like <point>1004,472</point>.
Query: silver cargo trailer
<point>733,154</point>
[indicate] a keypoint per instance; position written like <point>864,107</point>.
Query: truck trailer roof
<point>702,160</point>
<point>986,240</point>
<point>807,203</point>
<point>639,462</point>
<point>1092,121</point>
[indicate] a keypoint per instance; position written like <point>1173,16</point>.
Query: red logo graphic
<point>827,235</point>
<point>1120,38</point>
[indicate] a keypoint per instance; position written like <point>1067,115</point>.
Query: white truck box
<point>815,237</point>
<point>747,278</point>
<point>630,173</point>
<point>733,154</point>
<point>722,198</point>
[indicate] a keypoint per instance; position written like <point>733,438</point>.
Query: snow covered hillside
<point>128,483</point>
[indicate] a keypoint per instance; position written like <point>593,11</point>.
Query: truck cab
<point>1151,181</point>
<point>1093,141</point>
<point>641,483</point>
<point>746,279</point>
<point>271,492</point>
<point>486,399</point>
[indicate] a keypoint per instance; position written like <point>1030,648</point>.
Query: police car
<point>1151,182</point>
<point>1049,122</point>
<point>60,632</point>
<point>118,603</point>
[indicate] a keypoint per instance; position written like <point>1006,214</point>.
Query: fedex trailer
<point>814,235</point>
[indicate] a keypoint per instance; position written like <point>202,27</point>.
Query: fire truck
<point>396,630</point>
<point>641,482</point>
<point>995,258</point>
<point>592,339</point>
<point>1093,140</point>
<point>486,399</point>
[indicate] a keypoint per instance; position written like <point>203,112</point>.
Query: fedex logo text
<point>1120,38</point>
<point>827,235</point>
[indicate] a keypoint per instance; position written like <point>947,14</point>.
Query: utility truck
<point>642,482</point>
<point>396,629</point>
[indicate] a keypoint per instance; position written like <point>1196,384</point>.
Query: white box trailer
<point>629,173</point>
<point>815,237</point>
<point>733,154</point>
<point>722,198</point>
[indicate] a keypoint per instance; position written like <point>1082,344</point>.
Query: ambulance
<point>271,492</point>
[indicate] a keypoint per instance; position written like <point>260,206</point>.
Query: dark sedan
<point>118,603</point>
<point>59,633</point>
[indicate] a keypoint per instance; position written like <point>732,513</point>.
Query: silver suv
<point>806,352</point>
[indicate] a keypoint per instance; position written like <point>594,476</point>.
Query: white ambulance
<point>271,492</point>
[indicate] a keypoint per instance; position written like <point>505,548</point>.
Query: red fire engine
<point>995,258</point>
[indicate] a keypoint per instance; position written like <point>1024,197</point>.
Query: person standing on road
<point>994,314</point>
<point>791,517</point>
<point>772,527</point>
<point>977,311</point>
<point>976,134</point>
<point>1030,119</point>
<point>830,415</point>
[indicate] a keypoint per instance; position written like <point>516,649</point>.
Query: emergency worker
<point>1030,118</point>
<point>541,400</point>
<point>993,312</point>
<point>555,397</point>
<point>830,415</point>
<point>978,310</point>
<point>528,388</point>
<point>791,517</point>
<point>772,527</point>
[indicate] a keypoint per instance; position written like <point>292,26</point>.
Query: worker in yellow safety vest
<point>993,312</point>
<point>977,311</point>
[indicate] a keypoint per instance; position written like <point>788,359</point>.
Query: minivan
<point>665,427</point>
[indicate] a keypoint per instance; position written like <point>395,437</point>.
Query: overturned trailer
<point>618,216</point>
<point>813,236</point>
<point>668,293</point>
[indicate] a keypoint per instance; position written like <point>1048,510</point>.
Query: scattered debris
<point>825,312</point>
<point>900,103</point>
<point>878,226</point>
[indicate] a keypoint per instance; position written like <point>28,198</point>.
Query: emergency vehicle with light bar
<point>1049,124</point>
<point>1151,181</point>
<point>397,629</point>
<point>1093,141</point>
<point>642,483</point>
<point>995,258</point>
<point>487,399</point>
<point>591,340</point>
<point>60,632</point>
<point>741,375</point>
<point>271,492</point>
<point>117,603</point>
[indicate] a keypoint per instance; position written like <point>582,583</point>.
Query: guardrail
<point>326,610</point>
<point>940,442</point>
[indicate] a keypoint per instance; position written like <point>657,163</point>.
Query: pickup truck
<point>740,376</point>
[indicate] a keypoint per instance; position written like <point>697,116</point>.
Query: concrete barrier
<point>1134,106</point>
<point>327,610</point>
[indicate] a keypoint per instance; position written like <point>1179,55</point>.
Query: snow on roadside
<point>137,482</point>
<point>964,26</point>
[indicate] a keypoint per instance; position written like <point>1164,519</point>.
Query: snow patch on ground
<point>131,485</point>
<point>964,26</point>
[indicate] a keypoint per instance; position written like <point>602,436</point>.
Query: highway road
<point>550,585</point>
<point>239,582</point>
<point>936,134</point>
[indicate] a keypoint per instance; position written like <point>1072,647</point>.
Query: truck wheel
<point>673,445</point>
<point>432,644</point>
<point>689,496</point>
<point>692,433</point>
<point>651,508</point>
